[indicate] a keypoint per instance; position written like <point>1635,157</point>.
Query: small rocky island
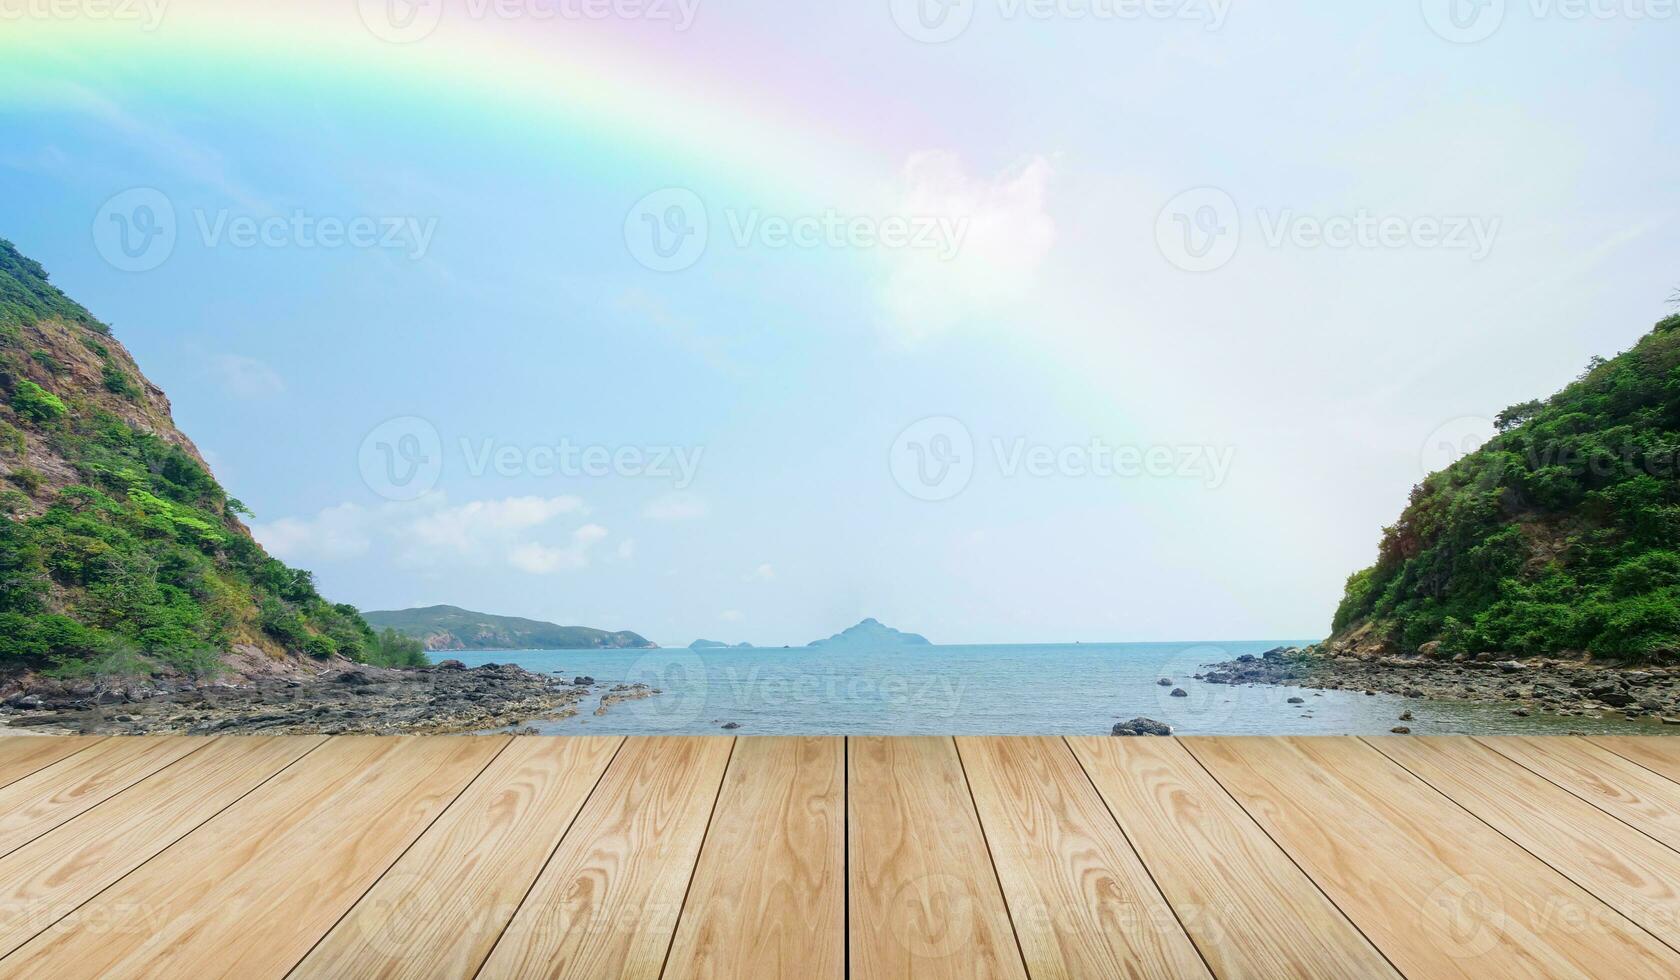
<point>871,632</point>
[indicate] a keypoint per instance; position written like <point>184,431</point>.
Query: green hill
<point>453,628</point>
<point>119,551</point>
<point>1561,535</point>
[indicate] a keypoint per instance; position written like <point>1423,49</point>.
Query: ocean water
<point>1032,689</point>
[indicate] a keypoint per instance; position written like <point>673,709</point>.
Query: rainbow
<point>576,82</point>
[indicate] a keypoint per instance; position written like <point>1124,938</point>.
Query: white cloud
<point>1006,235</point>
<point>765,572</point>
<point>246,377</point>
<point>627,549</point>
<point>334,534</point>
<point>539,559</point>
<point>431,534</point>
<point>675,507</point>
<point>731,616</point>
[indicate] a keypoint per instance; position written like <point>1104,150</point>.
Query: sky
<point>996,320</point>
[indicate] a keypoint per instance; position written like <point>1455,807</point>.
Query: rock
<point>1178,692</point>
<point>1141,726</point>
<point>1670,721</point>
<point>451,665</point>
<point>1509,666</point>
<point>1405,716</point>
<point>582,680</point>
<point>730,724</point>
<point>1165,682</point>
<point>1297,700</point>
<point>24,701</point>
<point>1432,649</point>
<point>1401,730</point>
<point>1246,658</point>
<point>1275,653</point>
<point>355,678</point>
<point>1520,712</point>
<point>1615,699</point>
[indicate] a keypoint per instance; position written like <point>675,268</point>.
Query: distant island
<point>718,645</point>
<point>871,632</point>
<point>454,628</point>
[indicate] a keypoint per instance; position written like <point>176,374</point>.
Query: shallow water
<point>1036,689</point>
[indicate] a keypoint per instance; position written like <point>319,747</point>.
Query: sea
<point>987,689</point>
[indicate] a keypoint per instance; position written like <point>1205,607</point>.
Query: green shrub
<point>33,402</point>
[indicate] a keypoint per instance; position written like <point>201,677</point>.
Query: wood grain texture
<point>1441,893</point>
<point>46,879</point>
<point>1659,755</point>
<point>42,800</point>
<point>607,903</point>
<point>250,891</point>
<point>1622,784</point>
<point>924,899</point>
<point>1629,871</point>
<point>1250,910</point>
<point>21,755</point>
<point>1625,790</point>
<point>438,911</point>
<point>1082,903</point>
<point>768,896</point>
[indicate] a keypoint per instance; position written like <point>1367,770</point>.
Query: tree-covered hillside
<point>454,628</point>
<point>1562,534</point>
<point>117,545</point>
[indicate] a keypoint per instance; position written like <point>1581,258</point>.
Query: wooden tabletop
<point>495,856</point>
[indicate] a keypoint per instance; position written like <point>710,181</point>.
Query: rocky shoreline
<point>1565,687</point>
<point>344,700</point>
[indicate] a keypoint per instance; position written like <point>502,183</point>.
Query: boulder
<point>1141,726</point>
<point>451,665</point>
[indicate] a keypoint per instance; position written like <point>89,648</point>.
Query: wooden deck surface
<point>828,857</point>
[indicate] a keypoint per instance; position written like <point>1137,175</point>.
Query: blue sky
<point>1510,206</point>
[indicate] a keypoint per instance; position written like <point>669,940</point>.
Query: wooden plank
<point>1082,902</point>
<point>608,901</point>
<point>1627,870</point>
<point>40,801</point>
<point>439,910</point>
<point>1660,755</point>
<point>1250,910</point>
<point>924,898</point>
<point>21,755</point>
<point>1625,790</point>
<point>250,891</point>
<point>46,879</point>
<point>1438,891</point>
<point>768,897</point>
